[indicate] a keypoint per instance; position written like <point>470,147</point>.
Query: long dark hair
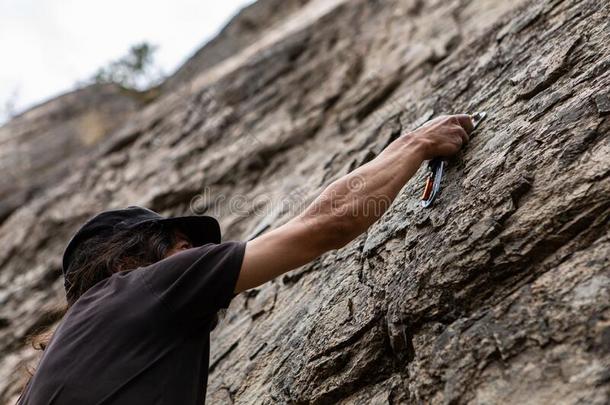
<point>101,256</point>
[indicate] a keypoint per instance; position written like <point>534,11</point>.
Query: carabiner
<point>437,167</point>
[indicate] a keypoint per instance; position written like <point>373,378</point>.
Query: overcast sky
<point>46,46</point>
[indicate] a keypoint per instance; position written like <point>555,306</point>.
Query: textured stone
<point>500,293</point>
<point>39,146</point>
<point>602,101</point>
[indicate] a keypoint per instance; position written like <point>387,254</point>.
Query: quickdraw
<point>436,168</point>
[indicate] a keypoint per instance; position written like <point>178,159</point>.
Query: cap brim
<point>199,229</point>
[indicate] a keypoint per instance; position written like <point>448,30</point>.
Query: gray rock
<point>602,101</point>
<point>498,294</point>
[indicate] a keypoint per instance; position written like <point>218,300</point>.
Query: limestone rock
<point>38,147</point>
<point>498,294</point>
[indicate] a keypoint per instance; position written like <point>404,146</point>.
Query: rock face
<point>37,148</point>
<point>498,294</point>
<point>242,31</point>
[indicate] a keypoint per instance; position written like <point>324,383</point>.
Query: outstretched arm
<point>347,207</point>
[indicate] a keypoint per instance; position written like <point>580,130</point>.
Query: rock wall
<point>498,294</point>
<point>37,147</point>
<point>242,31</point>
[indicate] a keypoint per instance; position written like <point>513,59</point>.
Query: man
<point>143,291</point>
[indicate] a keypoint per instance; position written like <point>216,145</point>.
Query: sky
<point>46,46</point>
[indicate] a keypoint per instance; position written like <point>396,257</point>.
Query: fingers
<point>465,121</point>
<point>463,126</point>
<point>463,134</point>
<point>447,134</point>
<point>456,129</point>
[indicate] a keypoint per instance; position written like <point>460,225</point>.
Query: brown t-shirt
<point>141,336</point>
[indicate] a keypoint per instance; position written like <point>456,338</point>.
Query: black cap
<point>199,229</point>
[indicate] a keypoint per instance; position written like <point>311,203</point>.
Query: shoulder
<point>207,254</point>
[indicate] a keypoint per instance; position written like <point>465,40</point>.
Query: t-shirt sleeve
<point>197,282</point>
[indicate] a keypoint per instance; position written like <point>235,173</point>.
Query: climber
<point>143,291</point>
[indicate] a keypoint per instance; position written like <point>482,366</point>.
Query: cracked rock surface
<point>500,293</point>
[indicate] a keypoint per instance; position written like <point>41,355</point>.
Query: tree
<point>135,71</point>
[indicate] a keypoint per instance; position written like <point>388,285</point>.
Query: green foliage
<point>135,71</point>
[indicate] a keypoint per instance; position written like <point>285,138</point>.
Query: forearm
<point>342,212</point>
<point>353,203</point>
